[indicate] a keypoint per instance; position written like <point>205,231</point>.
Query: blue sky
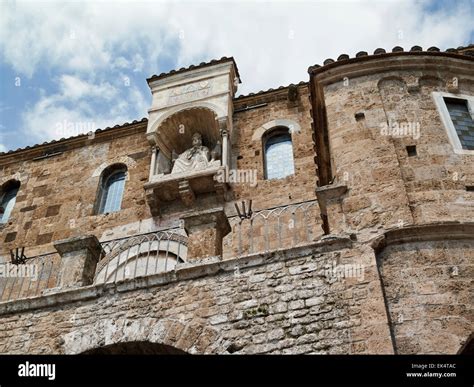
<point>66,66</point>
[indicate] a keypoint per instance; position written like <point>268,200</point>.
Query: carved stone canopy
<point>175,132</point>
<point>198,100</point>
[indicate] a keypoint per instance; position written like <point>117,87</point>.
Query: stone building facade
<point>334,216</point>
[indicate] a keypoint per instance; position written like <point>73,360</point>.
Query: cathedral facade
<point>334,216</point>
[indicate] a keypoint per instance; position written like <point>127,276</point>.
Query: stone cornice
<point>207,267</point>
<point>445,231</point>
<point>66,144</point>
<point>395,61</point>
<point>265,96</point>
<point>183,70</point>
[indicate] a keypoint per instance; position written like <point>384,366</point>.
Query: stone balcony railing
<point>84,260</point>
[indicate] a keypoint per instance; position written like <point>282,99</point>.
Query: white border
<point>438,97</point>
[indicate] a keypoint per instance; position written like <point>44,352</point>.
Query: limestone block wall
<point>57,194</point>
<point>274,303</point>
<point>364,160</point>
<point>428,288</point>
<point>248,149</point>
<point>364,103</point>
<point>436,178</point>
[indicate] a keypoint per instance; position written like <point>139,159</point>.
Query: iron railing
<point>30,278</point>
<point>275,228</point>
<point>160,251</point>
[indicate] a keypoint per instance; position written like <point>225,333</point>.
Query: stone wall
<point>248,150</point>
<point>282,302</point>
<point>386,187</point>
<point>377,199</point>
<point>428,288</point>
<point>57,194</point>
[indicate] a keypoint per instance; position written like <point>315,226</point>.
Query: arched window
<point>278,154</point>
<point>111,189</point>
<point>7,199</point>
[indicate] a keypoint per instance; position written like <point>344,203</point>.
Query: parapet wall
<point>282,302</point>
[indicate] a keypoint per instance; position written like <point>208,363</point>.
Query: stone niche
<point>189,130</point>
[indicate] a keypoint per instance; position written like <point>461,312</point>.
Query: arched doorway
<point>135,348</point>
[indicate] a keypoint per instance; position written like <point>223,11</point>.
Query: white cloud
<point>93,46</point>
<point>73,87</point>
<point>3,148</point>
<point>73,110</point>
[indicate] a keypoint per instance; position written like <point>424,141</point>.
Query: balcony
<point>166,251</point>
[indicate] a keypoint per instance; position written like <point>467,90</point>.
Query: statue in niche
<point>195,158</point>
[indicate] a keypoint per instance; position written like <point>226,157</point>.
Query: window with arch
<point>278,154</point>
<point>8,194</point>
<point>112,185</point>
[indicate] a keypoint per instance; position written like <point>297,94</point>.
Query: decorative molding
<point>293,126</point>
<point>128,161</point>
<point>18,176</point>
<point>192,91</point>
<point>445,231</point>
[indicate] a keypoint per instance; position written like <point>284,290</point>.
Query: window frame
<point>274,132</point>
<point>443,111</point>
<point>11,185</point>
<point>106,175</point>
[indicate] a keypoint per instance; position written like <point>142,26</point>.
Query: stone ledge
<point>89,242</point>
<point>425,232</point>
<point>182,273</point>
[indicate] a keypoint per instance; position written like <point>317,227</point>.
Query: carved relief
<point>189,92</point>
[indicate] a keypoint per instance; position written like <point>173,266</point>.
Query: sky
<point>69,67</point>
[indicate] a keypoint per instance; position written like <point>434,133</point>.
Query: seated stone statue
<point>193,159</point>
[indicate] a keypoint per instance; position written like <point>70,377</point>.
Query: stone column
<point>205,230</point>
<point>79,258</point>
<point>153,163</point>
<point>330,203</point>
<point>225,141</point>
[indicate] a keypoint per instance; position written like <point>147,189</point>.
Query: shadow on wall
<point>135,348</point>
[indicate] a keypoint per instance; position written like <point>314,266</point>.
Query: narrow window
<point>112,187</point>
<point>462,121</point>
<point>278,154</point>
<point>411,150</point>
<point>7,200</point>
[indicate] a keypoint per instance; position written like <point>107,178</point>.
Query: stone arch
<point>141,255</point>
<point>125,160</point>
<point>135,348</point>
<point>292,125</point>
<point>9,183</point>
<point>192,337</point>
<point>172,131</point>
<point>219,113</point>
<point>5,180</point>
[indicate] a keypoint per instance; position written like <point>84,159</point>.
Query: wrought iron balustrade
<point>28,278</point>
<point>275,228</point>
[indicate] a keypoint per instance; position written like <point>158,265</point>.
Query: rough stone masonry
<point>365,247</point>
